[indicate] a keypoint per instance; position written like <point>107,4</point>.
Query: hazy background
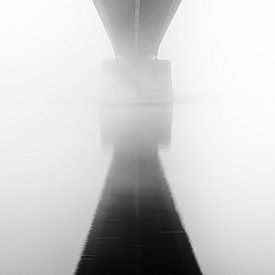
<point>220,166</point>
<point>53,49</point>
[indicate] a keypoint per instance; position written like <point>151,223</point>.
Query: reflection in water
<point>136,229</point>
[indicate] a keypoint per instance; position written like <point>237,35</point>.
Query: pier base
<point>136,81</point>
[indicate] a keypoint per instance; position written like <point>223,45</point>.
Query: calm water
<point>193,184</point>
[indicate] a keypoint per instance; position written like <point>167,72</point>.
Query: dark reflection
<point>136,229</point>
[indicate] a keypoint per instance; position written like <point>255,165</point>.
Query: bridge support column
<point>136,81</point>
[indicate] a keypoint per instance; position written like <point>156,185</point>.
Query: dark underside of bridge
<point>136,229</point>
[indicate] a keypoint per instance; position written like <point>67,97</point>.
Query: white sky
<point>53,49</point>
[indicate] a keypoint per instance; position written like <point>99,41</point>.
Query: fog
<point>223,48</point>
<point>53,49</point>
<point>217,153</point>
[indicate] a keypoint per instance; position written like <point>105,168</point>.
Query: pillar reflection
<point>136,228</point>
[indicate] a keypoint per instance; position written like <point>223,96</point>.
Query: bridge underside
<point>136,27</point>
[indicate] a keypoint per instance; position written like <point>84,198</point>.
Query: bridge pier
<point>136,81</point>
<point>136,29</point>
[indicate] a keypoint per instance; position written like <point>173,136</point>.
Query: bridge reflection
<point>136,229</point>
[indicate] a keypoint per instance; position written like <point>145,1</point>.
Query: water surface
<point>213,158</point>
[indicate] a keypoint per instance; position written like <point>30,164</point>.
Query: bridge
<point>136,228</point>
<point>136,29</point>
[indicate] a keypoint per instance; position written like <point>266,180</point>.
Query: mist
<point>213,149</point>
<point>53,50</point>
<point>222,49</point>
